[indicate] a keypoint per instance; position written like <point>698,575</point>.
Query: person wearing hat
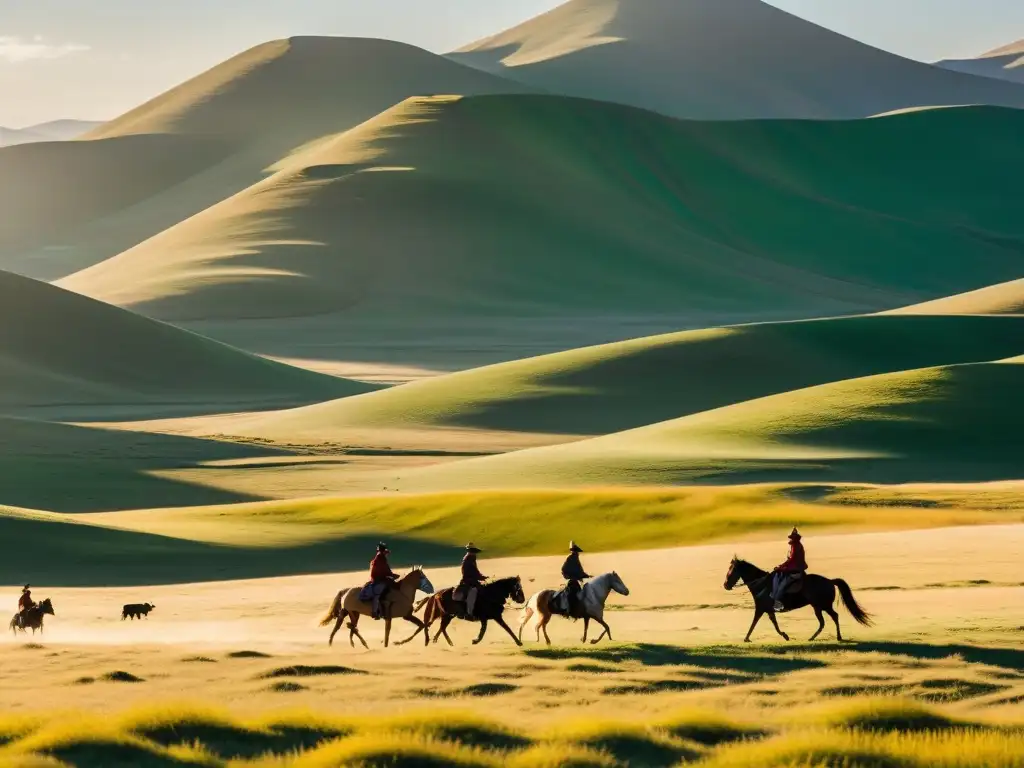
<point>25,602</point>
<point>381,576</point>
<point>573,573</point>
<point>471,578</point>
<point>794,568</point>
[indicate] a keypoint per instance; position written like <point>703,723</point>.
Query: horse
<point>490,604</point>
<point>592,599</point>
<point>33,618</point>
<point>398,604</point>
<point>818,592</point>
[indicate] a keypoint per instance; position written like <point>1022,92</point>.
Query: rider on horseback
<point>794,568</point>
<point>573,573</point>
<point>381,577</point>
<point>25,603</point>
<point>471,578</point>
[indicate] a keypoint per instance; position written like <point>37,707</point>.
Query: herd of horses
<point>815,591</point>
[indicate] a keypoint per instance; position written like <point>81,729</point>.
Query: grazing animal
<point>591,601</point>
<point>32,618</point>
<point>817,592</point>
<point>397,604</point>
<point>136,611</point>
<point>490,605</point>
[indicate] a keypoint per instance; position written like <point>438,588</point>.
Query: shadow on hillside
<point>75,555</point>
<point>1008,658</point>
<point>654,655</point>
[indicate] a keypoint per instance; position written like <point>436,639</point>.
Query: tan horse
<point>592,599</point>
<point>397,604</point>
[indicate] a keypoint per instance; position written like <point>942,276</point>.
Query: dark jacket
<point>470,572</point>
<point>572,569</point>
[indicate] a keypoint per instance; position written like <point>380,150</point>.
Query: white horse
<point>592,599</point>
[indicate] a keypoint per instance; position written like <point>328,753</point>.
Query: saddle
<point>796,584</point>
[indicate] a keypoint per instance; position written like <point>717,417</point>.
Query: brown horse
<point>818,592</point>
<point>33,618</point>
<point>592,599</point>
<point>397,604</point>
<point>490,605</point>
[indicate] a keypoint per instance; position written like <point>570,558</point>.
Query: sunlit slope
<point>62,350</point>
<point>205,140</point>
<point>1002,299</point>
<point>50,191</point>
<point>608,388</point>
<point>542,205</point>
<point>719,59</point>
<point>946,424</point>
<point>1004,63</point>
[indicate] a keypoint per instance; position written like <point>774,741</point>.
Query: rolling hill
<point>947,424</point>
<point>1005,63</point>
<point>66,353</point>
<point>728,59</point>
<point>628,384</point>
<point>1002,299</point>
<point>206,139</point>
<point>545,206</point>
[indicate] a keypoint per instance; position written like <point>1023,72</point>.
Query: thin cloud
<point>18,50</point>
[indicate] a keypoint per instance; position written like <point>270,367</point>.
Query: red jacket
<point>25,601</point>
<point>795,562</point>
<point>379,568</point>
<point>470,572</point>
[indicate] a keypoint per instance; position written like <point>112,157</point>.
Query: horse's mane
<point>507,580</point>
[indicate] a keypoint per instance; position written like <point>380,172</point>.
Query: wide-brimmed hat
<point>26,588</point>
<point>382,547</point>
<point>471,547</point>
<point>573,547</point>
<point>795,534</point>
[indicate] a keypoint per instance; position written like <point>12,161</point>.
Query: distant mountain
<point>57,130</point>
<point>1005,63</point>
<point>718,59</point>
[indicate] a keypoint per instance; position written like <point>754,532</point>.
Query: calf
<point>136,610</point>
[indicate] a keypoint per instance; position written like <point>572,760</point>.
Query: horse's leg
<point>527,615</point>
<point>420,627</point>
<point>607,631</point>
<point>337,626</point>
<point>821,623</point>
<point>353,631</point>
<point>444,629</point>
<point>501,623</point>
<point>586,626</point>
<point>387,630</point>
<point>771,615</point>
<point>835,617</point>
<point>483,631</point>
<point>543,627</point>
<point>757,617</point>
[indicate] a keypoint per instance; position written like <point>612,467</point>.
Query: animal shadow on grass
<point>952,690</point>
<point>637,749</point>
<point>654,655</point>
<point>104,754</point>
<point>1008,658</point>
<point>249,655</point>
<point>301,670</point>
<point>654,686</point>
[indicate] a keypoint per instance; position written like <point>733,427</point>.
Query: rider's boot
<point>470,604</point>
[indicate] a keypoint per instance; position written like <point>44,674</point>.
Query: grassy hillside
<point>325,535</point>
<point>739,59</point>
<point>202,141</point>
<point>947,424</point>
<point>1002,299</point>
<point>69,353</point>
<point>533,205</point>
<point>627,384</point>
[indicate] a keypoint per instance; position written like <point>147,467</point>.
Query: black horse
<point>33,617</point>
<point>818,592</point>
<point>490,605</point>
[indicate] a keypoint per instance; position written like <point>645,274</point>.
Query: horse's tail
<point>531,607</point>
<point>416,608</point>
<point>859,614</point>
<point>335,610</point>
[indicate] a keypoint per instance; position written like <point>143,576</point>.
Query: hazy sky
<point>94,59</point>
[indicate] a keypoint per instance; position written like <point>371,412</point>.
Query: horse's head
<point>734,573</point>
<point>618,584</point>
<point>46,607</point>
<point>423,583</point>
<point>517,591</point>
